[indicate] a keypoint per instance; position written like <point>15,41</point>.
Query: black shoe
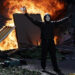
<point>43,70</point>
<point>60,73</point>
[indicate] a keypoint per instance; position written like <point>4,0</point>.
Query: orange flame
<point>33,6</point>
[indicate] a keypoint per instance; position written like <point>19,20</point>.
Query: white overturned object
<point>4,32</point>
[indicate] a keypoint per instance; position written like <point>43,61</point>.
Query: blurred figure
<point>2,22</point>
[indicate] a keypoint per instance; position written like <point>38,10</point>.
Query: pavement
<point>67,65</point>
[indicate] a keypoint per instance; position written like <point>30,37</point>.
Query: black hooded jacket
<point>47,28</point>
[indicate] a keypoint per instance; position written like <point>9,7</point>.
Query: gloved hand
<point>23,9</point>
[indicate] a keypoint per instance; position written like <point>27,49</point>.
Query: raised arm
<point>61,21</point>
<point>37,23</point>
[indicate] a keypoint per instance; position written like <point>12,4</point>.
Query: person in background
<point>3,20</point>
<point>2,23</point>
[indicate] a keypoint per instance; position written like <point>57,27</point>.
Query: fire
<point>33,6</point>
<point>55,39</point>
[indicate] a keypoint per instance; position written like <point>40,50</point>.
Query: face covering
<point>47,18</point>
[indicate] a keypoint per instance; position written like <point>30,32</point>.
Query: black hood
<point>45,17</point>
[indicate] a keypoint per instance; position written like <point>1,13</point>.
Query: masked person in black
<point>47,39</point>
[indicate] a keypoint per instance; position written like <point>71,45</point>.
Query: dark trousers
<point>48,45</point>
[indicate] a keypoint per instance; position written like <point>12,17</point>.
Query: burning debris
<point>54,7</point>
<point>4,32</point>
